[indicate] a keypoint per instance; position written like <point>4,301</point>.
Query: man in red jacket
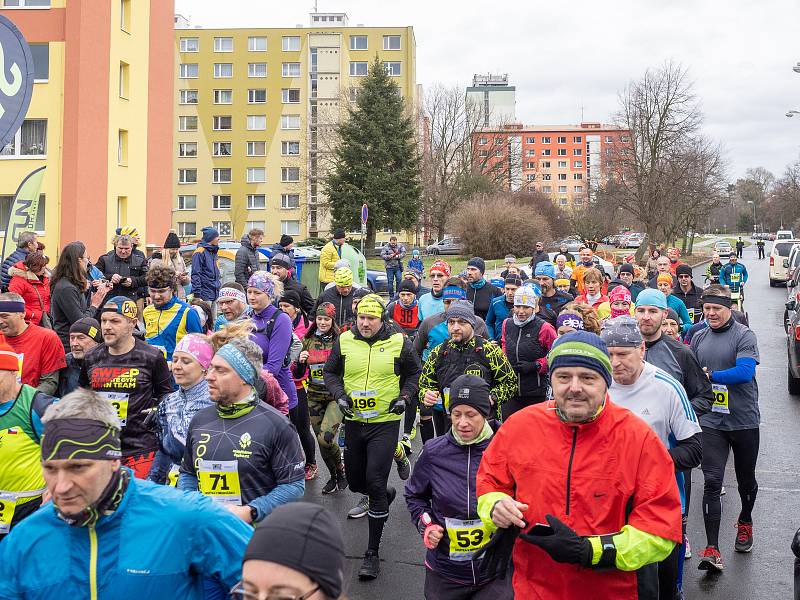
<point>587,481</point>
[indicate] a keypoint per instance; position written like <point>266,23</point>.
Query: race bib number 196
<point>365,403</point>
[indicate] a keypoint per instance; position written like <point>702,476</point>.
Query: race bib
<point>466,538</point>
<point>720,399</point>
<point>316,373</point>
<point>8,504</point>
<point>119,401</point>
<point>735,277</point>
<point>219,480</point>
<point>691,314</point>
<point>365,403</point>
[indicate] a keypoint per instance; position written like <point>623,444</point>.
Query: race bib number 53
<point>466,538</point>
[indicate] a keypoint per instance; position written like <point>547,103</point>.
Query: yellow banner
<point>24,209</point>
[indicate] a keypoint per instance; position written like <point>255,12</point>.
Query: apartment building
<point>566,162</point>
<point>254,108</point>
<point>100,119</point>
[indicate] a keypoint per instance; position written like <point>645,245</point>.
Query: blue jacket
<point>679,307</point>
<point>725,275</point>
<point>499,311</point>
<point>443,485</point>
<point>205,272</point>
<point>430,305</point>
<point>159,543</point>
<point>12,259</point>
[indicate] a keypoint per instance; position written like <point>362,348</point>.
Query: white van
<point>784,234</point>
<point>779,260</point>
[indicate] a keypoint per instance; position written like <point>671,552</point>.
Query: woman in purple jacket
<point>444,508</point>
<point>273,331</point>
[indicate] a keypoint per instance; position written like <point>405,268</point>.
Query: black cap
<point>361,292</point>
<point>291,297</point>
<point>89,327</point>
<point>626,268</point>
<point>172,241</point>
<point>407,286</point>
<point>472,391</point>
<point>281,259</point>
<point>304,537</point>
<point>683,270</point>
<point>338,234</point>
<point>286,240</point>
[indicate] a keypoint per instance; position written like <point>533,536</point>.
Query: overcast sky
<point>562,56</point>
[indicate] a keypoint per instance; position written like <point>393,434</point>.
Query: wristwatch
<point>253,514</point>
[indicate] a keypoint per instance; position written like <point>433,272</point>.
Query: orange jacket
<point>596,477</point>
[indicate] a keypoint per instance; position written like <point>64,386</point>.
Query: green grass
<point>457,263</point>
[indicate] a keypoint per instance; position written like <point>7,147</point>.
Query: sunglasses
<point>275,593</point>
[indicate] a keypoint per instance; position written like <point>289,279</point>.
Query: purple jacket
<point>275,348</point>
<point>443,485</point>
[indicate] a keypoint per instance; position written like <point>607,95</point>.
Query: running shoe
<point>331,486</point>
<point>688,553</point>
<point>723,491</point>
<point>341,480</point>
<point>710,560</point>
<point>370,567</point>
<point>311,471</point>
<point>744,537</point>
<point>405,442</point>
<point>360,509</point>
<point>402,462</point>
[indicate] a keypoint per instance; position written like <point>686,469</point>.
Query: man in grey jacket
<point>392,254</point>
<point>247,257</point>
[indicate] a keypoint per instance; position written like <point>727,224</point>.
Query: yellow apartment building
<point>253,111</point>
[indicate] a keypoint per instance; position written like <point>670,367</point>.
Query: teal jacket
<point>159,543</point>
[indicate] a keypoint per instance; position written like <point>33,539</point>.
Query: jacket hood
<point>245,241</point>
<point>19,270</point>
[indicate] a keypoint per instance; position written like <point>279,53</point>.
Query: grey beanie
<point>462,309</point>
<point>621,331</point>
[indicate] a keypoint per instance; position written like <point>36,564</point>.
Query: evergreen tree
<point>375,161</point>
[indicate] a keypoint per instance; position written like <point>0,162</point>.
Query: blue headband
<point>238,362</point>
<point>12,306</point>
<point>453,292</point>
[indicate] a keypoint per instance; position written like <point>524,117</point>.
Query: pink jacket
<point>274,396</point>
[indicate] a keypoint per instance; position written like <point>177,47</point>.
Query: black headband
<point>80,439</point>
<point>712,299</point>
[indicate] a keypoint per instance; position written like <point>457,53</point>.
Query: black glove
<point>345,405</point>
<point>397,406</point>
<point>564,545</point>
<point>496,555</point>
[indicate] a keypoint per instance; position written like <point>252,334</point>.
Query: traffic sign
<point>15,93</point>
<point>364,214</point>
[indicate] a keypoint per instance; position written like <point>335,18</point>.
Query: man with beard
<point>84,334</point>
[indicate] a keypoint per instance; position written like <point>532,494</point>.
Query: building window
<point>223,70</point>
<point>498,152</point>
<point>256,122</point>
<point>222,149</point>
<point>290,174</point>
<point>187,175</point>
<point>290,122</point>
<point>224,228</point>
<point>256,175</point>
<point>530,152</point>
<point>187,123</point>
<point>562,164</point>
<point>187,202</point>
<point>546,189</point>
<point>257,44</point>
<point>354,92</point>
<point>578,189</point>
<point>290,227</point>
<point>290,69</point>
<point>223,44</point>
<point>577,176</point>
<point>256,202</point>
<point>562,176</point>
<point>358,42</point>
<point>562,189</point>
<point>290,148</point>
<point>30,140</point>
<point>358,68</point>
<point>577,151</point>
<point>188,97</point>
<point>189,71</point>
<point>483,153</point>
<point>562,139</point>
<point>220,202</point>
<point>608,152</point>
<point>190,44</point>
<point>531,177</point>
<point>122,147</point>
<point>577,139</point>
<point>577,164</point>
<point>290,201</point>
<point>290,95</point>
<point>41,62</point>
<point>545,164</point>
<point>187,149</point>
<point>256,96</point>
<point>392,68</point>
<point>562,201</point>
<point>546,152</point>
<point>256,148</point>
<point>391,42</point>
<point>223,96</point>
<point>124,80</point>
<point>546,176</point>
<point>609,139</point>
<point>562,151</point>
<point>249,225</point>
<point>530,140</point>
<point>291,43</point>
<point>624,139</point>
<point>187,229</point>
<point>545,140</point>
<point>483,141</point>
<point>223,123</point>
<point>221,176</point>
<point>257,70</point>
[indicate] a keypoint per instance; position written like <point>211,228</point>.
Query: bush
<point>495,225</point>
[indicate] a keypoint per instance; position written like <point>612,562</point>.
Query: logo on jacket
<point>245,440</point>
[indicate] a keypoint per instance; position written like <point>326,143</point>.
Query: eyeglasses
<point>274,593</point>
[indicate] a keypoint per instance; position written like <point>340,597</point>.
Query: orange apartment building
<point>565,162</point>
<point>100,119</point>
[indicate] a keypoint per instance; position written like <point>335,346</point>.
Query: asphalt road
<point>765,573</point>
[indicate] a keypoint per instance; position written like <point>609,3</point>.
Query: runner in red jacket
<point>587,482</point>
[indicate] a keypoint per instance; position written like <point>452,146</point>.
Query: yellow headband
<point>371,305</point>
<point>343,277</point>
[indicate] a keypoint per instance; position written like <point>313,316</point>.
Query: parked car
<point>784,234</point>
<point>607,266</point>
<point>448,245</point>
<point>573,244</point>
<point>779,261</point>
<point>632,240</point>
<point>723,247</point>
<point>792,325</point>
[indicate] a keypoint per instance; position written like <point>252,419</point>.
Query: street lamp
<point>792,113</point>
<point>754,213</point>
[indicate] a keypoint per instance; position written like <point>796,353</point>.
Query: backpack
<point>295,346</point>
